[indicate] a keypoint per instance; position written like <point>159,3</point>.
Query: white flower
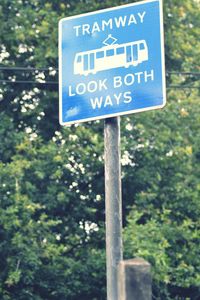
<point>129,127</point>
<point>22,48</point>
<point>28,130</point>
<point>58,237</point>
<point>170,153</point>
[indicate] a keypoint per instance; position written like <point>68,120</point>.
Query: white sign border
<point>119,113</point>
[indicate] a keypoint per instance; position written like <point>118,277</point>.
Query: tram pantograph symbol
<point>110,57</point>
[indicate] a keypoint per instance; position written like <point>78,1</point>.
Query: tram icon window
<point>110,52</point>
<point>100,54</point>
<point>120,50</point>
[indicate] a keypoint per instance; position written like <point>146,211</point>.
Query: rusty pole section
<point>114,252</point>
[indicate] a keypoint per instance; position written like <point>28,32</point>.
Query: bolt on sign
<point>111,62</point>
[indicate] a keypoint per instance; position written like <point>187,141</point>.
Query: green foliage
<point>163,225</point>
<point>52,179</point>
<point>48,224</point>
<point>171,248</point>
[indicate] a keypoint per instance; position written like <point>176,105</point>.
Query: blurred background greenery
<point>52,232</point>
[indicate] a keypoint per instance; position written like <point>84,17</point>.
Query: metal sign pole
<point>114,252</point>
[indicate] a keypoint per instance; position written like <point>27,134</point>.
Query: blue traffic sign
<point>111,62</point>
